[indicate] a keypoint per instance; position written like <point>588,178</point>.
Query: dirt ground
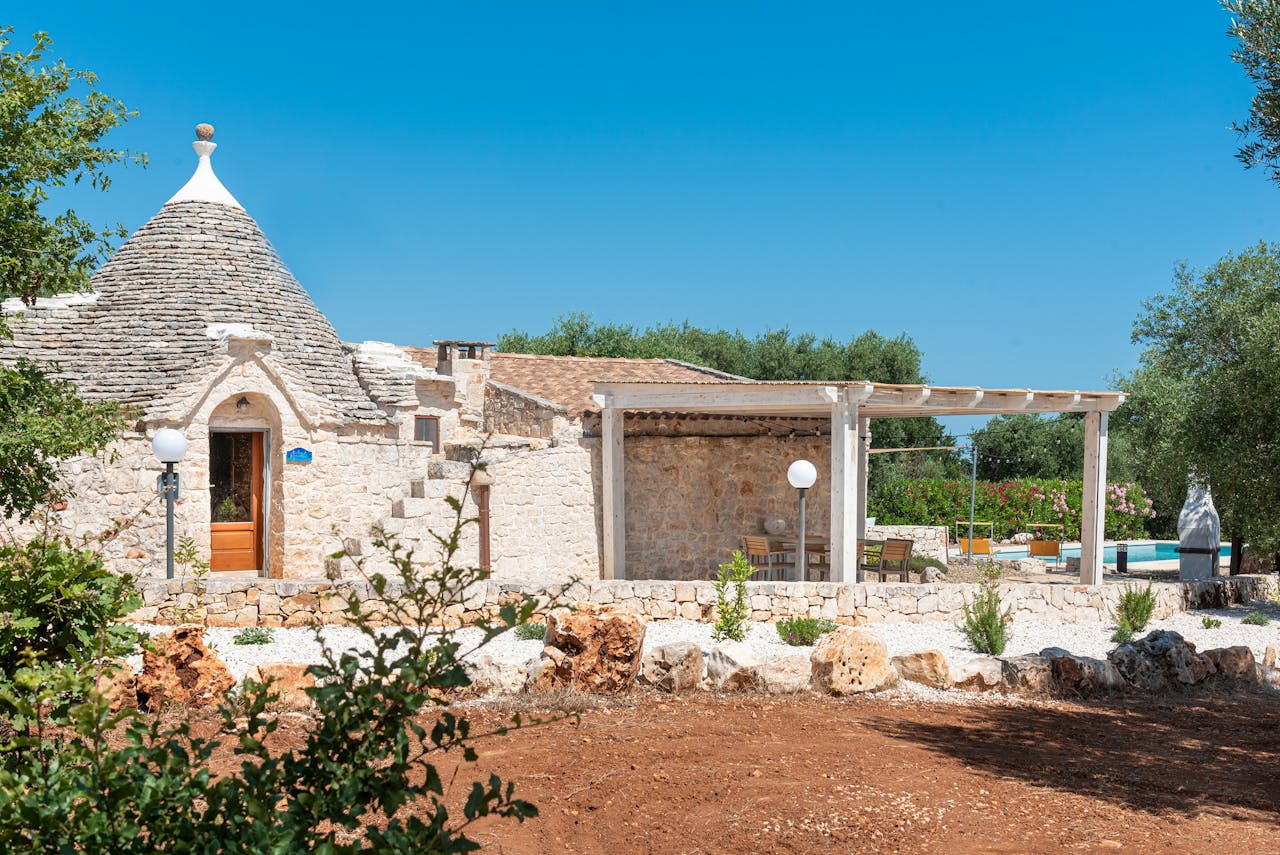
<point>707,774</point>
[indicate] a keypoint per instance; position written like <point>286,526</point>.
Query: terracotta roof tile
<point>568,380</point>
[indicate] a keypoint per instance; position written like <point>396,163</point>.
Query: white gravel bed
<point>1028,636</point>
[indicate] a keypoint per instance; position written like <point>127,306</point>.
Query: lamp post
<point>169,446</point>
<point>802,476</point>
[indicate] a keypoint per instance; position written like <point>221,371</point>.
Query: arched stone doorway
<point>243,433</point>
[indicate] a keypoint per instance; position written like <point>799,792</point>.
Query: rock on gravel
<point>591,648</point>
<point>786,675</point>
<point>733,666</point>
<point>850,661</point>
<point>928,668</point>
<point>674,667</point>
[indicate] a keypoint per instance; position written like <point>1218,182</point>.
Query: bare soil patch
<point>704,774</point>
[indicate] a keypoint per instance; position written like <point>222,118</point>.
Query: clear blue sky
<point>1003,183</point>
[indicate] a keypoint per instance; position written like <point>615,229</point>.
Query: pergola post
<point>1094,502</point>
<point>864,446</point>
<point>845,478</point>
<point>612,486</point>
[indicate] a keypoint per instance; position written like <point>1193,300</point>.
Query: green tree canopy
<point>1204,396</point>
<point>771,355</point>
<point>1255,26</point>
<point>52,122</point>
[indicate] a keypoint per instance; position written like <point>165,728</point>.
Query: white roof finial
<point>204,186</point>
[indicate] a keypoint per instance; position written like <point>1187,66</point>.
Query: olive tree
<point>53,120</point>
<point>1206,392</point>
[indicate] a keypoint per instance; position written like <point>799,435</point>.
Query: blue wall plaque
<point>297,455</point>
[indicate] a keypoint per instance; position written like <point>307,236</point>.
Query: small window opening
<point>427,429</point>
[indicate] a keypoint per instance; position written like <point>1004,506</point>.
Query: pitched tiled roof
<point>568,380</point>
<point>145,330</point>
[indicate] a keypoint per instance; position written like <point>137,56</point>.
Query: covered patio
<point>850,406</point>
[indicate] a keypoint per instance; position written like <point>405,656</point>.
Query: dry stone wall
<point>267,602</point>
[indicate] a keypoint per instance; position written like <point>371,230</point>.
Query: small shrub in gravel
<point>531,631</point>
<point>255,635</point>
<point>985,623</point>
<point>1211,622</point>
<point>1122,635</point>
<point>1135,608</point>
<point>1256,618</point>
<point>803,631</point>
<point>732,607</point>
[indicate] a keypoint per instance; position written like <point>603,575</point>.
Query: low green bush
<point>731,625</point>
<point>986,624</point>
<point>804,631</point>
<point>1135,607</point>
<point>1256,618</point>
<point>1211,622</point>
<point>59,604</point>
<point>255,635</point>
<point>531,631</point>
<point>361,777</point>
<point>1122,635</point>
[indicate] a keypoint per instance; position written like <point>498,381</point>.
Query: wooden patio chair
<point>769,560</point>
<point>1045,549</point>
<point>895,559</point>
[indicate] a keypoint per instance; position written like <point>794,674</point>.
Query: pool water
<point>1162,550</point>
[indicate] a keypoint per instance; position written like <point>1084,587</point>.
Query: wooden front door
<point>236,480</point>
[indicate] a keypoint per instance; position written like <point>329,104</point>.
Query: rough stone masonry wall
<point>930,540</point>
<point>544,513</point>
<point>355,475</point>
<point>689,500</point>
<point>267,602</point>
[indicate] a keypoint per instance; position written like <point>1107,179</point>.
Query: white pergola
<point>850,406</point>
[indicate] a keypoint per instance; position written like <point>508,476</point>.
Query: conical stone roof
<point>150,326</point>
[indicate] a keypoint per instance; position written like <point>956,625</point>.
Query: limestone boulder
<point>928,668</point>
<point>1082,676</point>
<point>1234,663</point>
<point>591,648</point>
<point>849,661</point>
<point>932,574</point>
<point>1163,661</point>
<point>289,680</point>
<point>980,674</point>
<point>118,685</point>
<point>179,669</point>
<point>1271,656</point>
<point>1032,675</point>
<point>490,676</point>
<point>786,675</point>
<point>673,667</point>
<point>733,666</point>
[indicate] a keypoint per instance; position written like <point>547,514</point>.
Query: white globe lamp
<point>169,446</point>
<point>802,475</point>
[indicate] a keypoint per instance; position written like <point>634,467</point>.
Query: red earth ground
<point>710,774</point>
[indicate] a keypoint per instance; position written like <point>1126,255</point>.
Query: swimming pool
<point>1161,550</point>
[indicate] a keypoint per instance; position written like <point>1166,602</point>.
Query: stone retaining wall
<point>281,602</point>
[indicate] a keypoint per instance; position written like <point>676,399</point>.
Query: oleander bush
<point>731,598</point>
<point>1012,506</point>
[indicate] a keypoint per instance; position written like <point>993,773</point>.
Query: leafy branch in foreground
<point>364,778</point>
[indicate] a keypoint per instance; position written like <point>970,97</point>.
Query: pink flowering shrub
<point>1011,505</point>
